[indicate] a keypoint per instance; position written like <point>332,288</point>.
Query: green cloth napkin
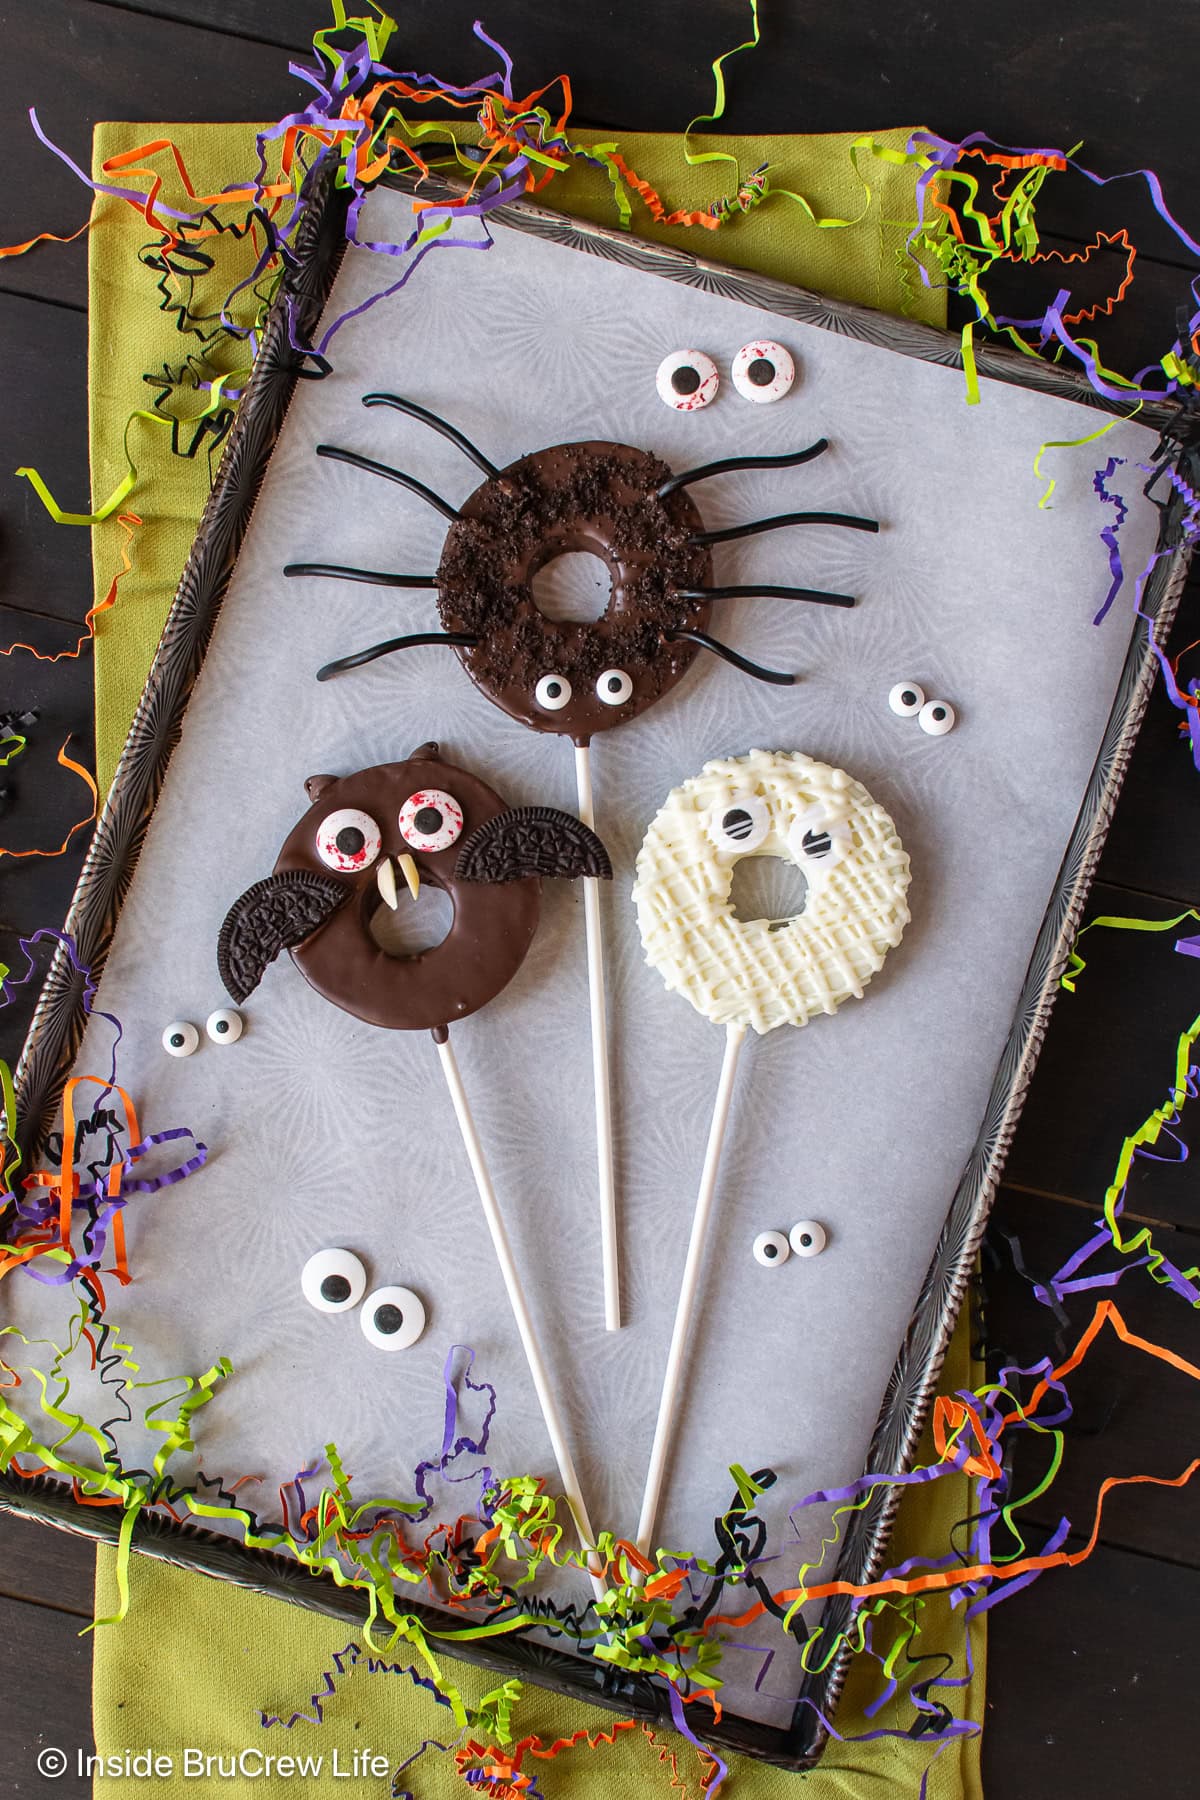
<point>196,1661</point>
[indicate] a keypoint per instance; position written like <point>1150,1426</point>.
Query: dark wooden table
<point>1090,1676</point>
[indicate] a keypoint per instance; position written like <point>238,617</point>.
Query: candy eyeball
<point>807,1237</point>
<point>613,687</point>
<point>906,699</point>
<point>333,1280</point>
<point>431,820</point>
<point>348,840</point>
<point>763,371</point>
<point>552,693</point>
<point>739,824</point>
<point>818,840</point>
<point>771,1249</point>
<point>687,380</point>
<point>392,1318</point>
<point>936,718</point>
<point>224,1026</point>
<point>180,1038</point>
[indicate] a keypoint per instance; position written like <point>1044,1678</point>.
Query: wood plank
<point>1089,1674</point>
<point>43,424</point>
<point>43,800</point>
<point>1108,1060</point>
<point>1029,74</point>
<point>1139,327</point>
<point>87,62</point>
<point>46,1567</point>
<point>652,74</point>
<point>1131,1413</point>
<point>1151,845</point>
<point>47,1698</point>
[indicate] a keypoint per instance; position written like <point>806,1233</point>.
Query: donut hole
<point>413,926</point>
<point>572,588</point>
<point>767,887</point>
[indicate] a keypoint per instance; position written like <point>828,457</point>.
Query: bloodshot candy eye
<point>763,371</point>
<point>431,819</point>
<point>687,380</point>
<point>348,840</point>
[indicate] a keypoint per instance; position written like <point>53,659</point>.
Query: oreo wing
<point>532,841</point>
<point>271,916</point>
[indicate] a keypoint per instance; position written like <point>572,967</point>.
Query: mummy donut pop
<point>568,677</point>
<point>758,975</point>
<point>427,822</point>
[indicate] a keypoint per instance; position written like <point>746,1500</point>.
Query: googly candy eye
<point>224,1026</point>
<point>936,718</point>
<point>348,840</point>
<point>392,1318</point>
<point>906,699</point>
<point>818,840</point>
<point>807,1237</point>
<point>771,1249</point>
<point>687,380</point>
<point>180,1038</point>
<point>613,687</point>
<point>431,820</point>
<point>763,371</point>
<point>333,1280</point>
<point>740,824</point>
<point>552,693</point>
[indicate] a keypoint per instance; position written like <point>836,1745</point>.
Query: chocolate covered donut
<point>570,677</point>
<point>620,504</point>
<point>423,820</point>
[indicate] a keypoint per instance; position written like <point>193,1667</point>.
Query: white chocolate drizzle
<point>762,973</point>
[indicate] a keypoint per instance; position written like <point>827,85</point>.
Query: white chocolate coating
<point>764,972</point>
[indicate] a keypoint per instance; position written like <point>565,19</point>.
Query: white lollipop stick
<point>567,1476</point>
<point>664,1430</point>
<point>600,1079</point>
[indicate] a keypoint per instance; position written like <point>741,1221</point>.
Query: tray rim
<point>57,1024</point>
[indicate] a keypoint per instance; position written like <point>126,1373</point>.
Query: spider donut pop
<point>767,972</point>
<point>568,677</point>
<point>426,821</point>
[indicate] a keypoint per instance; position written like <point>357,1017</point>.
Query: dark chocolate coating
<point>493,924</point>
<point>597,497</point>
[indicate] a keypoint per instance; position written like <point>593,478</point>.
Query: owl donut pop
<point>568,677</point>
<point>757,975</point>
<point>425,821</point>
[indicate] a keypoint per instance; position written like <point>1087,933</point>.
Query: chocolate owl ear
<point>532,840</point>
<point>272,916</point>
<point>315,785</point>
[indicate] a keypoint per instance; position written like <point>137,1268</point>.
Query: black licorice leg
<point>761,591</point>
<point>333,454</point>
<point>731,463</point>
<point>361,657</point>
<point>731,656</point>
<point>431,418</point>
<point>803,518</point>
<point>376,577</point>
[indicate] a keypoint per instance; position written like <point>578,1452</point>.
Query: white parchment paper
<point>326,1131</point>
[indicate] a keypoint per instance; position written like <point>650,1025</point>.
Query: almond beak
<point>385,881</point>
<point>408,869</point>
